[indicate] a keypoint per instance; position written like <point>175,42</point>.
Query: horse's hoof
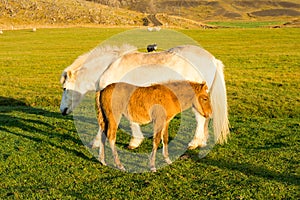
<point>202,145</point>
<point>193,145</point>
<point>131,147</point>
<point>153,169</point>
<point>90,145</point>
<point>135,143</point>
<point>94,144</point>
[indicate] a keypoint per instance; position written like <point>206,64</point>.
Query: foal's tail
<point>100,116</point>
<point>219,104</point>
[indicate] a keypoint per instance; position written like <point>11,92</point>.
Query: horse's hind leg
<point>165,138</point>
<point>137,136</point>
<point>97,140</point>
<point>199,139</point>
<point>101,148</point>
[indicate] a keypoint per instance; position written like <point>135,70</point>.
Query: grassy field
<point>246,24</point>
<point>42,156</point>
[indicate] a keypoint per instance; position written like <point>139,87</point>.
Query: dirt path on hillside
<point>152,18</point>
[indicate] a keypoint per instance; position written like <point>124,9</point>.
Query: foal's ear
<point>204,86</point>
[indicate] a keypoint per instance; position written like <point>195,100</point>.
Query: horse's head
<point>71,92</point>
<point>83,74</point>
<point>202,103</point>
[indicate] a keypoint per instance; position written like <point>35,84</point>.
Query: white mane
<point>104,50</point>
<point>97,52</point>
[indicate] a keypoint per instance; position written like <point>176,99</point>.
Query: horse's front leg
<point>101,149</point>
<point>97,140</point>
<point>137,136</point>
<point>201,134</point>
<point>165,138</point>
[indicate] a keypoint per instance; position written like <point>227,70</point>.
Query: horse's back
<point>202,60</point>
<point>148,68</point>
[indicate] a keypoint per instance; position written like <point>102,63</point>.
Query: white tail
<point>219,104</point>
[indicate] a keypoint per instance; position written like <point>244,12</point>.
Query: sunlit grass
<point>245,24</point>
<point>42,157</point>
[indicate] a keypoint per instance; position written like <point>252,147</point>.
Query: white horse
<point>184,62</point>
<point>83,74</point>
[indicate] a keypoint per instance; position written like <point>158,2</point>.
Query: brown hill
<point>201,10</point>
<point>64,12</point>
<point>180,13</point>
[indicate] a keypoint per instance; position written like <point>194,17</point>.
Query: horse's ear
<point>69,74</point>
<point>63,77</point>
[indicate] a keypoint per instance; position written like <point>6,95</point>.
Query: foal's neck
<point>184,91</point>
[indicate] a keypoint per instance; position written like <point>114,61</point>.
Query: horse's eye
<point>64,89</point>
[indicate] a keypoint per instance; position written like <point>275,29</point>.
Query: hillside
<point>215,9</point>
<point>179,13</point>
<point>64,12</point>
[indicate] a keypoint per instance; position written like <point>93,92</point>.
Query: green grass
<point>42,157</point>
<point>246,24</point>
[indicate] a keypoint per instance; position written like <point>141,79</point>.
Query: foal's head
<point>202,103</point>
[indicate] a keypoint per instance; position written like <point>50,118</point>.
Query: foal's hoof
<point>153,169</point>
<point>168,161</point>
<point>122,168</point>
<point>102,162</point>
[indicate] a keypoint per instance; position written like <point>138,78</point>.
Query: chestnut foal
<point>158,103</point>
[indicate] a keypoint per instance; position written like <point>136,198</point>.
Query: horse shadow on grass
<point>38,125</point>
<point>245,168</point>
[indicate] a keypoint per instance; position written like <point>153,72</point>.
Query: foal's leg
<point>165,137</point>
<point>199,139</point>
<point>137,136</point>
<point>111,135</point>
<point>97,141</point>
<point>156,140</point>
<point>158,117</point>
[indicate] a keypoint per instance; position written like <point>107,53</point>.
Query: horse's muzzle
<point>64,112</point>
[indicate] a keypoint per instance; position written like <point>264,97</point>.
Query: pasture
<point>42,157</point>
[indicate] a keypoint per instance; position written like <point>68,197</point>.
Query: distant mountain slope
<point>66,12</point>
<point>180,13</point>
<point>213,9</point>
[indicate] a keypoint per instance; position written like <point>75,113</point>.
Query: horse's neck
<point>88,76</point>
<point>97,66</point>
